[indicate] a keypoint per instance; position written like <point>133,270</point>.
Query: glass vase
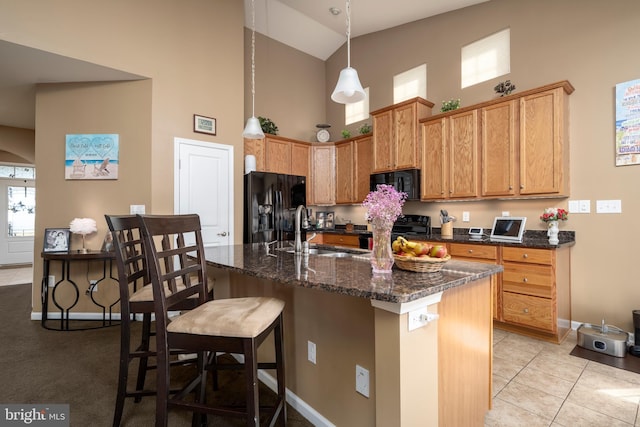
<point>553,233</point>
<point>381,253</point>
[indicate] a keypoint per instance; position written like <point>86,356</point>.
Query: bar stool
<point>232,325</point>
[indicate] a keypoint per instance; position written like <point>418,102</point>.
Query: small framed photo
<point>329,222</point>
<point>56,240</point>
<point>202,124</point>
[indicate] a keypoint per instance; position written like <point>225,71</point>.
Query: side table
<point>66,260</point>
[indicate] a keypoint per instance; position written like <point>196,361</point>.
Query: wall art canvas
<point>91,156</point>
<point>628,123</point>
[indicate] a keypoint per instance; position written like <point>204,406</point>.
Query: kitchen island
<point>437,373</point>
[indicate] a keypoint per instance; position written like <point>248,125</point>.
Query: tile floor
<point>540,384</point>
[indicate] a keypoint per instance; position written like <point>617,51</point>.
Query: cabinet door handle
<point>526,310</point>
<point>470,251</point>
<point>525,280</point>
<point>522,187</point>
<point>525,256</point>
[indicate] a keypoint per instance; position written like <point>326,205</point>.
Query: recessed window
<point>410,84</point>
<point>358,110</point>
<point>486,59</point>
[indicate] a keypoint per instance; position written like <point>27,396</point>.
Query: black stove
<point>412,226</point>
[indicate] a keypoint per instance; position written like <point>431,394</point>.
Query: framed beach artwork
<point>627,123</point>
<point>91,156</point>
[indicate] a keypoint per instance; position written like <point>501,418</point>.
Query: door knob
<point>224,233</point>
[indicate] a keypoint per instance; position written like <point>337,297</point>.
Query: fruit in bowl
<point>438,251</point>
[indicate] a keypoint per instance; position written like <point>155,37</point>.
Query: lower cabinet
<point>532,296</point>
<point>337,239</point>
<point>536,295</point>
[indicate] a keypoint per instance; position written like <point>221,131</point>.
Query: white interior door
<point>204,185</point>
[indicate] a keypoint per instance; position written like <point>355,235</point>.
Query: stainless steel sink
<point>323,252</point>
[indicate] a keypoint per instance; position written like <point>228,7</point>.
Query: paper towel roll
<point>249,163</point>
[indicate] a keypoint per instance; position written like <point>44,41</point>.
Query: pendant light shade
<point>348,90</point>
<point>253,130</point>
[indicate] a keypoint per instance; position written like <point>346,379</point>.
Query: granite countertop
<point>531,239</point>
<point>347,276</point>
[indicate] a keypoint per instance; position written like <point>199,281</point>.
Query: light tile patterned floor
<point>16,276</point>
<point>540,384</point>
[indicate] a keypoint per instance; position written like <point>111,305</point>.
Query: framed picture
<point>202,124</point>
<point>329,222</point>
<point>56,240</point>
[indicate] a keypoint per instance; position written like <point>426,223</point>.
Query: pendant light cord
<point>348,33</point>
<point>253,58</point>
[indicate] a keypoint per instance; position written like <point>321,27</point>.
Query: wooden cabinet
<point>488,254</point>
<point>353,167</point>
<point>498,144</point>
<point>279,155</point>
<point>450,157</point>
<point>321,187</point>
<point>523,141</point>
<point>395,135</point>
<point>544,142</point>
<point>536,292</point>
<point>255,147</point>
<point>350,240</point>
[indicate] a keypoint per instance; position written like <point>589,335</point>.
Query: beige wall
<point>290,88</point>
<point>589,43</point>
<point>192,52</point>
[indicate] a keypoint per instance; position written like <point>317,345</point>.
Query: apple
<point>438,251</point>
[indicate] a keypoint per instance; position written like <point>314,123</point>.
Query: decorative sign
<point>93,156</point>
<point>628,123</point>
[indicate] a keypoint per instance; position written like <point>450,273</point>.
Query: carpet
<point>16,276</point>
<point>80,368</point>
<point>628,362</point>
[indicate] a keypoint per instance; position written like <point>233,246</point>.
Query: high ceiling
<point>306,25</point>
<point>309,25</point>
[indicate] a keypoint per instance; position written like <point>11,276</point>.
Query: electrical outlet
<point>506,213</point>
<point>311,352</point>
<point>465,216</point>
<point>51,281</point>
<point>362,381</point>
<point>608,206</point>
<point>93,285</point>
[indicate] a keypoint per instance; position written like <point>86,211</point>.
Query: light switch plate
<point>137,209</point>
<point>608,206</point>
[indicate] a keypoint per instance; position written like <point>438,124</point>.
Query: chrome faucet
<point>297,247</point>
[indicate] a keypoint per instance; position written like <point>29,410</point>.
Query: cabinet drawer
<point>474,251</point>
<point>528,255</point>
<point>341,239</point>
<point>536,280</point>
<point>529,311</point>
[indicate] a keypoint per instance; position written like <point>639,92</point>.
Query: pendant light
<point>253,130</point>
<point>348,90</point>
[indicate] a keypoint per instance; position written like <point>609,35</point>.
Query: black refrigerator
<point>270,202</point>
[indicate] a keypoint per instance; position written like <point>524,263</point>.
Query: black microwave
<point>407,181</point>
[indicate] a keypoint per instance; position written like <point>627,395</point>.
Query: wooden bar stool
<point>174,250</point>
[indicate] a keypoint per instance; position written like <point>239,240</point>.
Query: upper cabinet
<point>515,146</point>
<point>450,157</point>
<point>279,155</point>
<point>353,167</point>
<point>396,133</point>
<point>322,190</point>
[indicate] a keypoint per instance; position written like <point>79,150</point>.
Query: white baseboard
<point>310,414</point>
<point>37,315</point>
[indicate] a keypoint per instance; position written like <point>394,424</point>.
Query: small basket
<point>420,265</point>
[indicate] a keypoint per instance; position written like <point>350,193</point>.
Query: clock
<point>323,135</point>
